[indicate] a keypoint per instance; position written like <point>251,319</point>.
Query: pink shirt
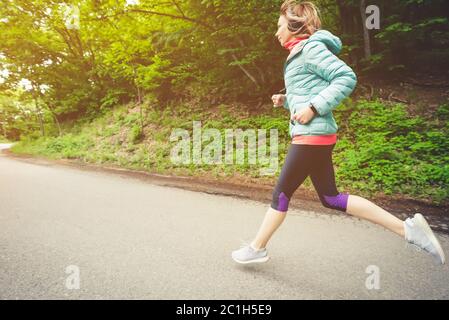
<point>315,140</point>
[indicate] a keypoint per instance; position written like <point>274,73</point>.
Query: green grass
<point>381,149</point>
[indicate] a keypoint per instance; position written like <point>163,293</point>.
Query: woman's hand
<point>304,116</point>
<point>278,100</point>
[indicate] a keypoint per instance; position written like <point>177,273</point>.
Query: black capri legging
<point>302,161</point>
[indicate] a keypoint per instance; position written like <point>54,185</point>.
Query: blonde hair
<point>303,17</point>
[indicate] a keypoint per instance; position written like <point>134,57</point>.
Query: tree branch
<point>179,8</point>
<point>169,15</point>
<point>185,18</point>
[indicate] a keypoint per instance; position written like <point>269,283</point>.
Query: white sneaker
<point>247,254</point>
<point>418,233</point>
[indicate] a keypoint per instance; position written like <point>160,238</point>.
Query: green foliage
<point>381,148</point>
<point>67,146</point>
<point>385,149</point>
<point>135,134</point>
<point>220,51</point>
<point>413,36</point>
<point>112,98</point>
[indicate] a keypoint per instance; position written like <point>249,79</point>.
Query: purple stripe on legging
<point>340,201</point>
<point>283,202</point>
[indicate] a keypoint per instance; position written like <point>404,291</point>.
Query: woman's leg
<point>365,209</point>
<point>293,173</point>
<point>323,179</point>
<point>272,220</point>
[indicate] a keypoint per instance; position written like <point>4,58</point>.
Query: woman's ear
<point>294,26</point>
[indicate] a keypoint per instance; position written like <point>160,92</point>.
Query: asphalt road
<point>66,233</point>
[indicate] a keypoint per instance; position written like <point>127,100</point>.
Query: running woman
<point>316,82</point>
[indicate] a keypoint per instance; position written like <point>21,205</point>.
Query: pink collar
<point>290,44</point>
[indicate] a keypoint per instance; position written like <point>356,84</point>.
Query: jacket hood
<point>332,42</point>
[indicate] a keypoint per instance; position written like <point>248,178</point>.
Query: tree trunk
<point>262,78</point>
<point>4,131</point>
<point>366,39</point>
<point>246,72</point>
<point>139,101</point>
<point>39,114</point>
<point>139,97</point>
<point>349,26</point>
<point>57,124</point>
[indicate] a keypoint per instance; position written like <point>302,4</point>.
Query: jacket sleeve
<point>286,103</point>
<point>342,80</point>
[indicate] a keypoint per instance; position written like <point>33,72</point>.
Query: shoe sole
<point>423,223</point>
<point>258,260</point>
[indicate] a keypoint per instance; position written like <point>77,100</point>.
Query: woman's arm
<point>342,80</point>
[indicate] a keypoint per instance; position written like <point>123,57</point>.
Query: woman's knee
<point>280,201</point>
<point>338,202</point>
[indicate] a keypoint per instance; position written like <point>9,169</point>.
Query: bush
<point>382,148</point>
<point>135,134</point>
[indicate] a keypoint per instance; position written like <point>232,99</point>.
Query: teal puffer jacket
<point>314,75</point>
